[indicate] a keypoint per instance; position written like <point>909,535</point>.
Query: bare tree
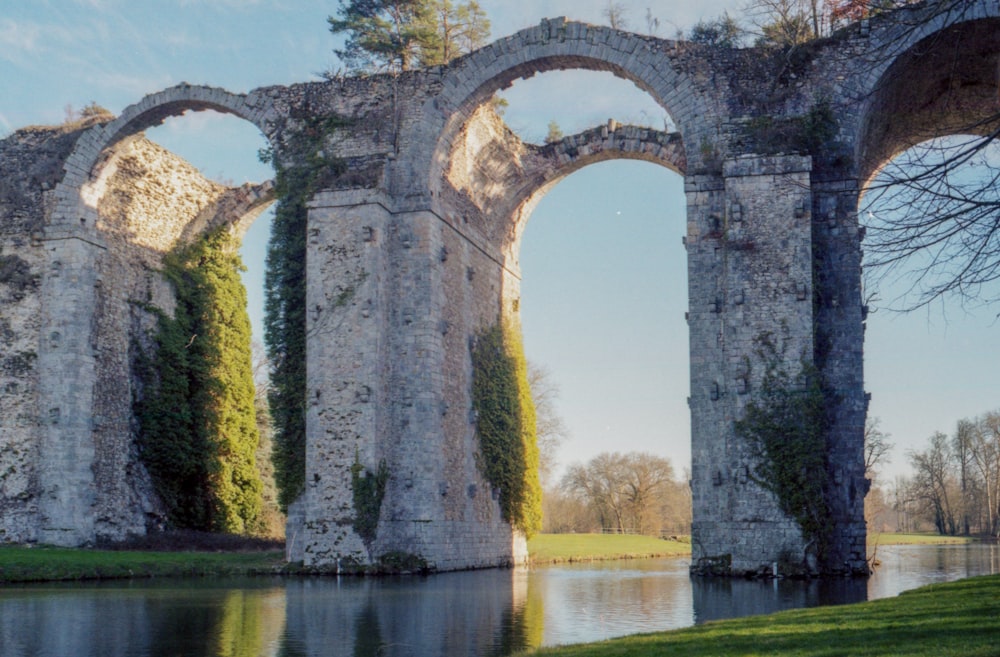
<point>932,214</point>
<point>564,512</point>
<point>648,479</point>
<point>550,429</point>
<point>616,12</point>
<point>877,447</point>
<point>784,22</point>
<point>601,483</point>
<point>961,449</point>
<point>652,23</point>
<point>934,483</point>
<point>633,492</point>
<point>985,452</point>
<point>933,218</point>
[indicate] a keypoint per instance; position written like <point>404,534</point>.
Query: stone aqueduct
<point>423,232</point>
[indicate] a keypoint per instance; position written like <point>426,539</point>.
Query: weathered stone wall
<point>147,198</point>
<point>749,244</point>
<point>29,165</point>
<point>147,201</point>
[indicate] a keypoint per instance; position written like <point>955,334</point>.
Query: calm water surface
<point>489,613</point>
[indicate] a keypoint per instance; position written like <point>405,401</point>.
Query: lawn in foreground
<point>942,620</point>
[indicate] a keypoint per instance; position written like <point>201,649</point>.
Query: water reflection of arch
<point>719,598</point>
<point>464,613</point>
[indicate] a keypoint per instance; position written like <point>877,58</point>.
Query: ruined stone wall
<point>94,486</point>
<point>29,165</point>
<point>147,199</point>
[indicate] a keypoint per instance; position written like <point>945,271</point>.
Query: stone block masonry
<point>412,249</point>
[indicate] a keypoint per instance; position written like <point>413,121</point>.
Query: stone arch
<point>935,76</point>
<point>557,44</point>
<point>71,213</point>
<point>81,373</point>
<point>551,163</point>
<point>237,209</point>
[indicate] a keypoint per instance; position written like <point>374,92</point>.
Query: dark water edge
<point>489,613</point>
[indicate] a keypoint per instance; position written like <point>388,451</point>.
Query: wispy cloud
<point>5,125</point>
<point>227,4</point>
<point>100,5</point>
<point>134,86</point>
<point>17,38</point>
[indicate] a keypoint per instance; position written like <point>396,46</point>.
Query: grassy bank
<point>39,564</point>
<point>164,559</point>
<point>917,539</point>
<point>942,620</point>
<point>562,548</point>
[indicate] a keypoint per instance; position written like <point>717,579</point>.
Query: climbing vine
<point>368,489</point>
<point>304,169</point>
<point>198,433</point>
<point>506,426</point>
<point>786,426</point>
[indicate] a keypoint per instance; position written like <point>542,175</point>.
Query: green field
<point>943,620</point>
<point>560,548</point>
<point>917,539</point>
<point>37,564</point>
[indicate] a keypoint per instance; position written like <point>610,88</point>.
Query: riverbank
<point>42,564</point>
<point>51,564</point>
<point>942,620</point>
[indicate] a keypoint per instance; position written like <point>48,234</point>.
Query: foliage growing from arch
<point>506,426</point>
<point>198,432</point>
<point>721,32</point>
<point>786,427</point>
<point>398,35</point>
<point>305,170</point>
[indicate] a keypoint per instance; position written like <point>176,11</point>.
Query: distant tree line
<point>955,485</point>
<point>614,492</point>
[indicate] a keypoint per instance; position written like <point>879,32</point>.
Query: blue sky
<point>604,289</point>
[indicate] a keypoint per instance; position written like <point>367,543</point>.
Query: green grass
<point>37,564</point>
<point>560,548</point>
<point>917,539</point>
<point>942,620</point>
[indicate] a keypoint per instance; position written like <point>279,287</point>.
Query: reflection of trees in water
<point>522,625</point>
<point>250,620</point>
<point>181,622</point>
<point>369,641</point>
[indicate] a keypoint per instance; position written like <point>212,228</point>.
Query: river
<point>485,613</point>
